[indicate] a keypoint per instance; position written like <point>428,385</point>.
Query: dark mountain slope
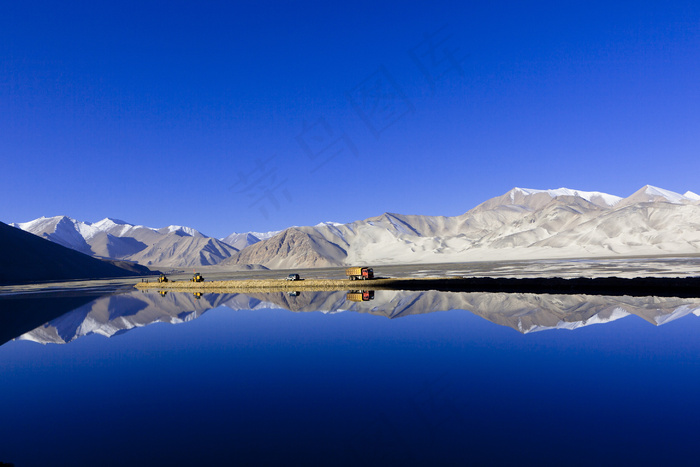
<point>24,258</point>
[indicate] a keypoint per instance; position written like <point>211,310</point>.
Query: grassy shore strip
<point>645,286</point>
<point>272,285</point>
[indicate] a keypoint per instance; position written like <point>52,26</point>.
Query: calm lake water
<point>406,378</point>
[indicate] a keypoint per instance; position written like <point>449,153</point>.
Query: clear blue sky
<point>228,116</point>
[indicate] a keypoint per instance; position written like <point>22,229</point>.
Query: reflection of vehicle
<point>162,278</point>
<point>360,295</point>
<point>197,278</point>
<point>295,293</point>
<point>293,277</point>
<point>359,273</point>
<point>163,293</point>
<point>197,295</point>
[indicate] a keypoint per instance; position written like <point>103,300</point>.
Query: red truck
<point>359,273</point>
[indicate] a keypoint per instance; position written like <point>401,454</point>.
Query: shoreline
<point>684,287</point>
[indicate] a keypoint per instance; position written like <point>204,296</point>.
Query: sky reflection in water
<point>267,385</point>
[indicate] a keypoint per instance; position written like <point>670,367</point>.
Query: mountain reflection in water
<point>254,384</point>
<point>114,314</point>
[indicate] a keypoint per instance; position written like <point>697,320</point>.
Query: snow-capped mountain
<point>60,229</point>
<point>184,231</point>
<point>595,197</point>
<point>520,224</point>
<point>26,258</point>
<point>172,246</point>
<point>650,194</point>
<point>245,239</point>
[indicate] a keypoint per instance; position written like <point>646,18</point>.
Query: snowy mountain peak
<point>669,195</point>
<point>328,223</point>
<point>241,240</point>
<point>58,229</point>
<point>182,229</point>
<point>108,222</point>
<point>266,235</point>
<point>649,193</point>
<point>691,195</point>
<point>43,223</point>
<point>595,197</point>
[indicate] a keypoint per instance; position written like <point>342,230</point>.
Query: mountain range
<point>173,246</point>
<point>520,224</point>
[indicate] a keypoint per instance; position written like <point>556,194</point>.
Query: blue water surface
<point>275,387</point>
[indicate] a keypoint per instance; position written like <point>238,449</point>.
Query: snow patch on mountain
<point>671,196</point>
<point>187,230</point>
<point>38,224</point>
<point>650,194</point>
<point>617,313</point>
<point>591,196</point>
<point>245,239</point>
<point>59,229</point>
<point>678,313</point>
<point>115,227</point>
